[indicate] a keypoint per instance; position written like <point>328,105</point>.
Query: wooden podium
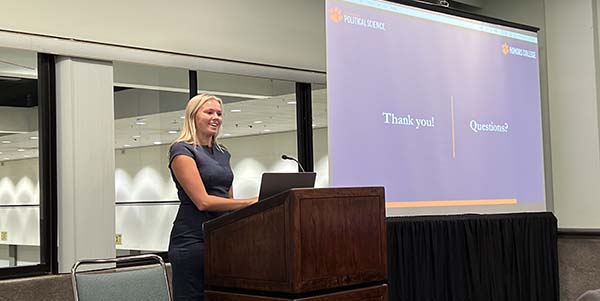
<point>303,244</point>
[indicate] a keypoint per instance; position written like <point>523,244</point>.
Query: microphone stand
<point>286,157</point>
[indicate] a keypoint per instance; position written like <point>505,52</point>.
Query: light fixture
<point>226,135</point>
<point>34,137</point>
<point>25,156</point>
<point>291,102</point>
<point>258,121</point>
<point>173,132</point>
<point>231,94</point>
<point>5,142</point>
<point>266,130</point>
<point>12,79</point>
<point>20,150</point>
<point>136,136</point>
<point>126,145</point>
<point>235,111</point>
<point>182,117</point>
<point>157,143</point>
<point>140,121</point>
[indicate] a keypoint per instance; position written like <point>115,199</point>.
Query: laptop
<point>273,183</point>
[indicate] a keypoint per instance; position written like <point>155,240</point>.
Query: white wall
<point>573,93</point>
<point>18,120</point>
<point>142,175</point>
<point>19,185</point>
<point>276,32</point>
<point>569,77</point>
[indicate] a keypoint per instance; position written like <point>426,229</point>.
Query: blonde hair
<point>188,130</point>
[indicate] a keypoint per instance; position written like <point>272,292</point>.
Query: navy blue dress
<point>186,244</point>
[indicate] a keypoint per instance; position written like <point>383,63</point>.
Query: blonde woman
<point>202,174</point>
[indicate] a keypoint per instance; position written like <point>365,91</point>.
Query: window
<point>149,103</point>
<point>27,202</point>
<point>320,138</point>
<point>259,125</point>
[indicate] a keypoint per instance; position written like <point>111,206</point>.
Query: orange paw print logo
<point>335,14</point>
<point>505,48</point>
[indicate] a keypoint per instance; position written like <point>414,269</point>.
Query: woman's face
<point>209,118</point>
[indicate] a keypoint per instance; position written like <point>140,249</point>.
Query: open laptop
<point>273,183</point>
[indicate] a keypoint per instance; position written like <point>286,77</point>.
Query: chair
<point>591,295</point>
<point>135,283</point>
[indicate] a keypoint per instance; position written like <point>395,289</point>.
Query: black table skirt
<point>473,257</point>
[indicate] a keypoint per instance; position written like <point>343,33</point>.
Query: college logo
<point>335,14</point>
<point>505,49</point>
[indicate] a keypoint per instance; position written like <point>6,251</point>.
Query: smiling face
<point>208,120</point>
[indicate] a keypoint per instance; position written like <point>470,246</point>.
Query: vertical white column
<point>85,160</point>
<point>573,106</point>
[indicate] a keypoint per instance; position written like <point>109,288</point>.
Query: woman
<point>201,171</point>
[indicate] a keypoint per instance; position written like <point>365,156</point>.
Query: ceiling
<point>240,118</point>
<point>249,117</point>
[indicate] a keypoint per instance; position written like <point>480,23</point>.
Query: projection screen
<point>442,111</point>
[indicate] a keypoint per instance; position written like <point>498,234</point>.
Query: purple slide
<point>440,110</point>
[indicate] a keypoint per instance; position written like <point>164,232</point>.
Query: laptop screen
<point>273,183</point>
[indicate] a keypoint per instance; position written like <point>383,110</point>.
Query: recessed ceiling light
<point>227,135</point>
<point>0,153</point>
<point>34,137</point>
<point>172,132</point>
<point>235,111</point>
<point>258,121</point>
<point>20,150</point>
<point>136,136</point>
<point>266,130</point>
<point>291,102</point>
<point>156,142</point>
<point>313,125</point>
<point>126,145</point>
<point>5,142</point>
<point>182,117</point>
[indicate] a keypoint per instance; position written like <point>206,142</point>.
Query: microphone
<point>286,157</point>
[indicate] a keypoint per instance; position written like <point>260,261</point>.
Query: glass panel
<point>259,125</point>
<point>19,168</point>
<point>148,105</point>
<point>320,138</point>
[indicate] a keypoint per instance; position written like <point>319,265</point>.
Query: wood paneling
<point>300,241</point>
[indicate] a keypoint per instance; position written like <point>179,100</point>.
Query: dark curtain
<point>473,257</point>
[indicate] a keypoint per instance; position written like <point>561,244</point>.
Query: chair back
<point>137,283</point>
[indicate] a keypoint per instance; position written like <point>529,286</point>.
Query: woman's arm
<point>187,174</point>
